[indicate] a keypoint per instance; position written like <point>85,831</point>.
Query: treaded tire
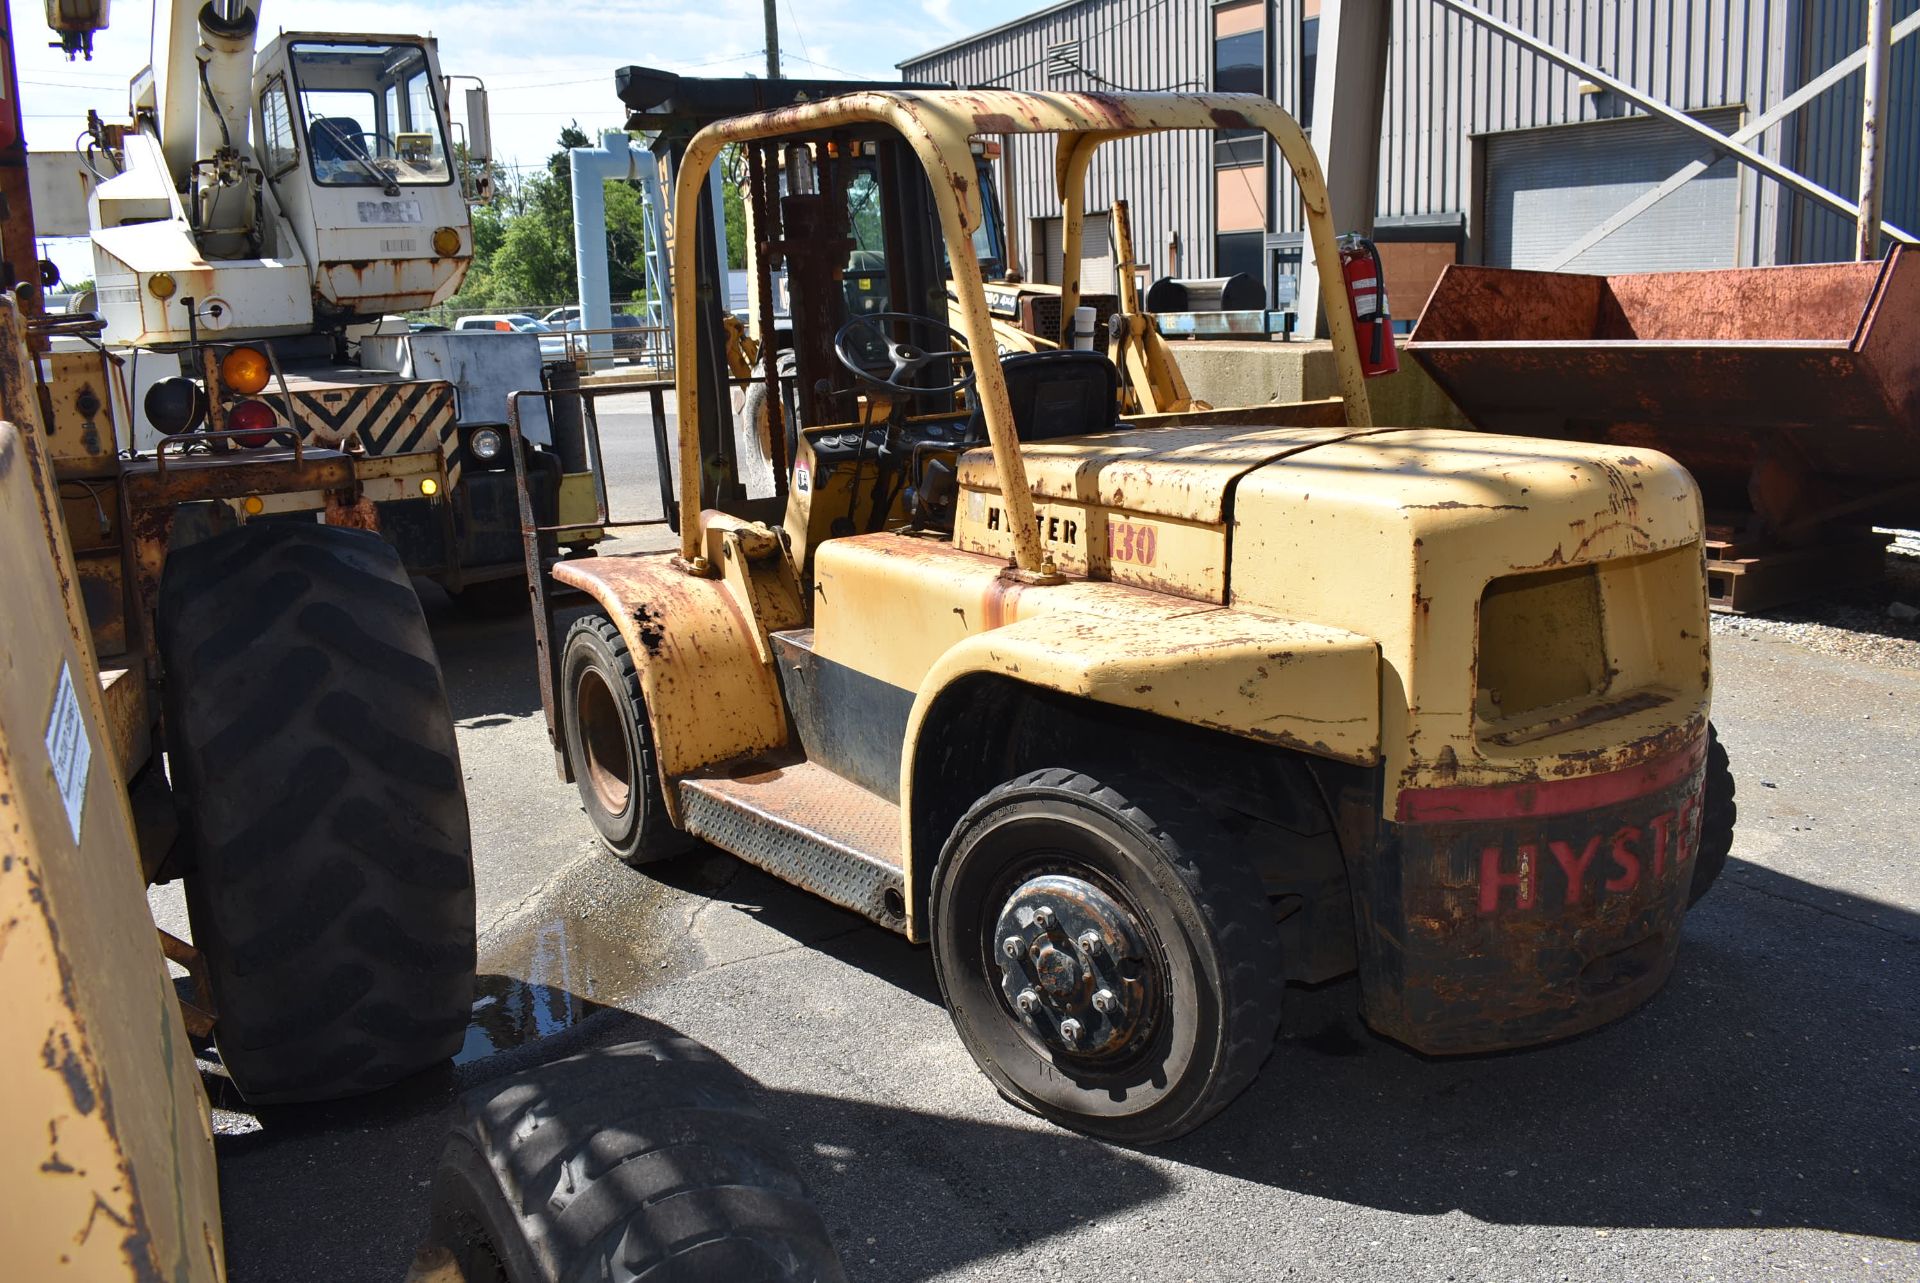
<point>310,746</point>
<point>643,1162</point>
<point>1717,816</point>
<point>610,744</point>
<point>1206,908</point>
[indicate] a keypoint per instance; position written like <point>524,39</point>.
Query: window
<point>1239,67</point>
<point>1235,253</point>
<point>1309,62</point>
<point>279,149</point>
<point>370,115</point>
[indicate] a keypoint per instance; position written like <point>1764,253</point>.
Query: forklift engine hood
<point>1177,508</point>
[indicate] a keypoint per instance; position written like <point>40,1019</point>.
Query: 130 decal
<point>1133,542</point>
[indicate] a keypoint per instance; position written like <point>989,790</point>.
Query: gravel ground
<point>1871,624</point>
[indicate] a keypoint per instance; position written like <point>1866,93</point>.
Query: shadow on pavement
<point>358,1202</point>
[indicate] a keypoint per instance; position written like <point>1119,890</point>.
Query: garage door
<point>1547,188</point>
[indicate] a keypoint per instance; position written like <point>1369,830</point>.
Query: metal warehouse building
<point>1489,151</point>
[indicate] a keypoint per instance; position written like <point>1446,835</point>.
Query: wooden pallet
<point>1745,574</point>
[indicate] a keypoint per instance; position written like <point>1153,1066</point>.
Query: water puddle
<point>600,937</point>
<point>509,1012</point>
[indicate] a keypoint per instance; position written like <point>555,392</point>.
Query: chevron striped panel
<point>388,418</point>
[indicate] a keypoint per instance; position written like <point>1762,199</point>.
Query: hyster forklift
<point>1137,719</point>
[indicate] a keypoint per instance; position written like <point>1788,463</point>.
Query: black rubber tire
<point>608,739</point>
<point>310,747</point>
<point>643,1162</point>
<point>1205,906</point>
<point>1717,816</point>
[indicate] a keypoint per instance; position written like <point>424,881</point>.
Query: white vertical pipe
<point>1872,118</point>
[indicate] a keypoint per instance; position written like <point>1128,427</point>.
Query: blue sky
<point>544,64</point>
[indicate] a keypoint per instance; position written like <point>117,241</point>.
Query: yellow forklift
<point>1136,718</point>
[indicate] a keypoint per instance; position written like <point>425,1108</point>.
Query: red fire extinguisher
<point>1367,293</point>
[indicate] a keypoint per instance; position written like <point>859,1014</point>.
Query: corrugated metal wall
<point>1449,79</point>
<point>1167,179</point>
<point>1825,145</point>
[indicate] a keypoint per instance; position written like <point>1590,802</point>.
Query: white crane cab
<point>353,141</point>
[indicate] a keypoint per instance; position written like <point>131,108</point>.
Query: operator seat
<point>1068,393</point>
<point>337,140</point>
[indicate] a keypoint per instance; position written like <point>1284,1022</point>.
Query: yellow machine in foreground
<point>1135,720</point>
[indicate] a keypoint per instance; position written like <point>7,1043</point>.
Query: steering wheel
<point>907,358</point>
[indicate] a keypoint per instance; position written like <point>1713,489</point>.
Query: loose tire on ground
<point>643,1162</point>
<point>1205,943</point>
<point>311,749</point>
<point>610,745</point>
<point>1717,816</point>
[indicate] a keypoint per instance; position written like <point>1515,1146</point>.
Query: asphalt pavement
<point>1758,1119</point>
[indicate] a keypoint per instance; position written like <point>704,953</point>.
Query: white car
<point>553,344</point>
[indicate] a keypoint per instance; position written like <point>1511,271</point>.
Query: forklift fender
<point>710,695</point>
<point>1304,687</point>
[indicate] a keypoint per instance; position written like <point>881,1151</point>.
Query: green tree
<point>523,254</point>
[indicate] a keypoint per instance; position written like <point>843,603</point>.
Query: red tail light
<point>255,419</point>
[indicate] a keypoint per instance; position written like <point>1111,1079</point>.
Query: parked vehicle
<point>552,346</point>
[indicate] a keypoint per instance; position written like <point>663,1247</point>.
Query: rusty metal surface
<point>710,695</point>
<point>1507,930</point>
<point>123,696</point>
<point>803,823</point>
<point>200,1013</point>
<point>104,1142</point>
<point>1788,390</point>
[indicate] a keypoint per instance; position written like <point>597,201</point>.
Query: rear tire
<point>1188,945</point>
<point>1717,816</point>
<point>610,744</point>
<point>644,1162</point>
<point>311,750</point>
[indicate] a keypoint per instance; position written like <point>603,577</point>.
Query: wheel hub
<point>1073,965</point>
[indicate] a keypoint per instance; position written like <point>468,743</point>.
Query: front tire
<point>610,744</point>
<point>1183,948</point>
<point>642,1161</point>
<point>311,749</point>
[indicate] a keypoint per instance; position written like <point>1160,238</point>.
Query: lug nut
<point>1089,942</point>
<point>1013,946</point>
<point>1070,1030</point>
<point>1027,1001</point>
<point>1104,1001</point>
<point>1044,919</point>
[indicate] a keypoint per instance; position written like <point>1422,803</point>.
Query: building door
<point>1096,252</point>
<point>1096,255</point>
<point>1547,188</point>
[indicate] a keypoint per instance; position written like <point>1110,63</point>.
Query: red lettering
<point>1576,869</point>
<point>1149,543</point>
<point>1660,825</point>
<point>1492,879</point>
<point>1627,859</point>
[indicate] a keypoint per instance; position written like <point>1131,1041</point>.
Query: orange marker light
<point>244,370</point>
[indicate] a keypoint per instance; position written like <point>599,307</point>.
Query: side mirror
<point>479,127</point>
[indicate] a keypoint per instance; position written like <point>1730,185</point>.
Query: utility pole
<point>1872,117</point>
<point>773,39</point>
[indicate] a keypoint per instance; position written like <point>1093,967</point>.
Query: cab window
<point>369,115</point>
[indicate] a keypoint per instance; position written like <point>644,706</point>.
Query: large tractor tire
<point>312,753</point>
<point>643,1162</point>
<point>1107,954</point>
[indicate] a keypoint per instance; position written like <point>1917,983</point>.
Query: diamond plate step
<point>804,824</point>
